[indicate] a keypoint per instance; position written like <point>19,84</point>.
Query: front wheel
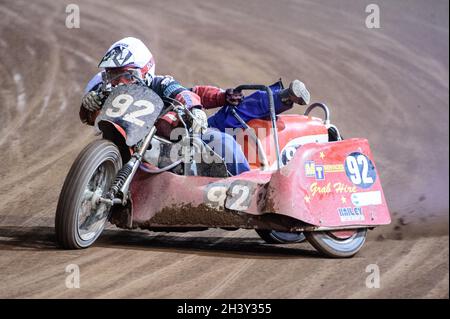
<point>338,244</point>
<point>80,219</point>
<point>278,237</point>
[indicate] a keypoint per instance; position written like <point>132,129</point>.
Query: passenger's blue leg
<point>227,148</point>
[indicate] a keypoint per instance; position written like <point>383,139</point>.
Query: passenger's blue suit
<point>254,106</point>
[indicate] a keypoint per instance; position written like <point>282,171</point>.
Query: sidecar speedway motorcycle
<point>311,184</point>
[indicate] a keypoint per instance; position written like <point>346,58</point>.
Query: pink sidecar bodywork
<point>331,185</point>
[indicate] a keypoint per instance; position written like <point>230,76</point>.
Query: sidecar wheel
<point>337,244</point>
<point>79,218</point>
<point>277,237</point>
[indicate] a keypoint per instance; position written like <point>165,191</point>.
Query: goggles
<point>116,76</point>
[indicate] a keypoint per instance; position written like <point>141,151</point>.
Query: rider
<point>131,56</point>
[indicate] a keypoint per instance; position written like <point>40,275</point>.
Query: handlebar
<point>273,116</point>
<point>321,106</point>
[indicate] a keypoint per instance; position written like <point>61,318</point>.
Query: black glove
<point>92,101</point>
<point>233,97</point>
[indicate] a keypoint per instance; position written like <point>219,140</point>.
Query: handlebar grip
<point>251,87</point>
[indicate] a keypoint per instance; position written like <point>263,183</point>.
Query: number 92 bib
<point>133,107</point>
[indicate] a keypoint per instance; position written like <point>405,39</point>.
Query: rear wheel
<point>80,219</point>
<point>338,244</point>
<point>277,237</point>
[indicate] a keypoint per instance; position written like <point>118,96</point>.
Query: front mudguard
<point>315,188</point>
<point>116,134</point>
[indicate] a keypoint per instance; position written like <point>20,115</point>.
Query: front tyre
<point>80,219</point>
<point>337,244</point>
<point>277,237</point>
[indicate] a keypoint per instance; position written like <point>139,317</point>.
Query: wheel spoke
<point>100,176</point>
<point>87,195</point>
<point>91,214</point>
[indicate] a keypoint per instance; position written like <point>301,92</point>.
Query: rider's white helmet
<point>128,55</point>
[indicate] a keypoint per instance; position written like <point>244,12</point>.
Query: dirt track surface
<point>389,85</point>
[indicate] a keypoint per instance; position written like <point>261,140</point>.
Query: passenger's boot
<point>295,93</point>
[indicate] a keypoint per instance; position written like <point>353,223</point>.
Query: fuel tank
<point>293,131</point>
